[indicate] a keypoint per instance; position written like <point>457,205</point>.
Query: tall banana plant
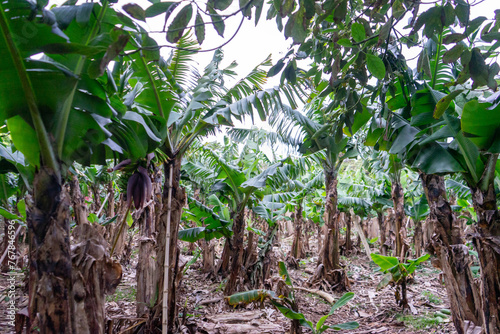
<point>58,111</point>
<point>191,106</point>
<point>239,190</point>
<point>442,128</point>
<point>322,128</point>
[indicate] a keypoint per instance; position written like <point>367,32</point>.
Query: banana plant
<point>191,106</point>
<point>450,143</point>
<point>435,125</point>
<point>397,273</point>
<point>239,190</point>
<point>58,111</point>
<point>324,127</point>
<point>287,305</point>
<point>211,222</point>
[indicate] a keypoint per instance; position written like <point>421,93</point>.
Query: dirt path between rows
<point>203,309</point>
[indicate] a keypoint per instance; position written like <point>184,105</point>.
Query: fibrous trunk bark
<point>78,202</point>
<point>237,252</point>
<point>329,268</point>
<point>487,244</point>
<point>418,238</point>
<point>297,250</point>
<point>208,256</point>
<point>174,274</point>
<point>95,274</point>
<point>361,235</point>
<point>382,235</point>
<point>224,261</point>
<point>319,238</point>
<point>146,264</point>
<point>250,250</point>
<point>399,213</point>
<point>453,256</point>
<point>113,231</point>
<point>348,223</point>
<point>50,285</point>
<point>111,200</point>
<point>309,226</point>
<point>260,268</point>
<point>329,256</point>
<point>96,203</point>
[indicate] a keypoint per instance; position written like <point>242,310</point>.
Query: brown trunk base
<point>223,264</point>
<point>175,272</point>
<point>95,274</point>
<point>236,277</point>
<point>332,280</point>
<point>208,257</point>
<point>146,265</point>
<point>50,282</point>
<point>488,249</point>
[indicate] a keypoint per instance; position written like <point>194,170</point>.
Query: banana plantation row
<point>86,95</point>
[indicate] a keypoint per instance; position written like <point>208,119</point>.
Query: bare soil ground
<point>375,311</point>
<point>204,310</point>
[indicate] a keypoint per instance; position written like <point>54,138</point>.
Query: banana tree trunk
<point>399,213</point>
<point>382,236</point>
<point>250,250</point>
<point>453,256</point>
<point>297,245</point>
<point>223,264</point>
<point>95,274</point>
<point>111,200</point>
<point>169,222</point>
<point>319,238</point>
<point>208,256</point>
<point>50,283</point>
<point>330,251</point>
<point>147,291</point>
<point>96,203</point>
<point>487,244</point>
<point>417,238</point>
<point>117,233</point>
<point>237,258</point>
<point>348,223</point>
<point>329,268</point>
<point>146,264</point>
<point>260,268</point>
<point>78,203</point>
<point>309,226</point>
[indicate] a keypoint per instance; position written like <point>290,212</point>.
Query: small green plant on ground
<point>134,253</point>
<point>372,242</point>
<point>397,273</point>
<point>425,321</point>
<point>432,298</point>
<point>195,257</point>
<point>288,307</point>
<point>123,293</point>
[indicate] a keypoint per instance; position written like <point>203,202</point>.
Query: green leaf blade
<point>376,66</point>
<point>176,28</point>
